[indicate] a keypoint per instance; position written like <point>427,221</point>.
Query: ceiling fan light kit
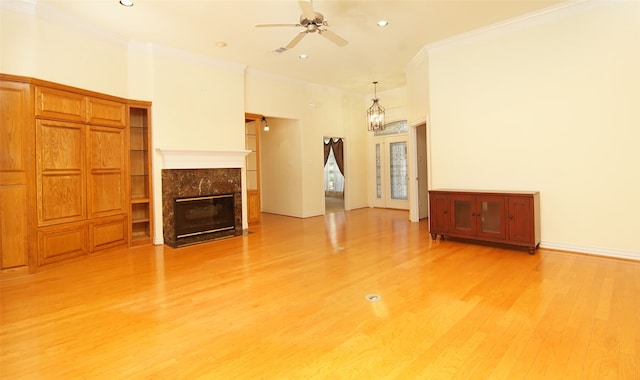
<point>312,22</point>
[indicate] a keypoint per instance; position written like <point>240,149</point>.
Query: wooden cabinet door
<point>108,232</point>
<point>520,219</point>
<point>462,211</point>
<point>491,216</point>
<point>106,155</point>
<point>16,175</point>
<point>439,214</point>
<point>62,242</point>
<point>106,112</point>
<point>60,172</point>
<point>61,105</point>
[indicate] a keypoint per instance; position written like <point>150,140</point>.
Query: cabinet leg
<point>532,250</point>
<point>434,236</point>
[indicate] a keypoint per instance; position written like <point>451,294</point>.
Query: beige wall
<point>548,104</point>
<point>281,167</point>
<point>31,46</point>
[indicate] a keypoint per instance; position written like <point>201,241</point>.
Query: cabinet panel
<point>61,105</point>
<point>108,233</point>
<point>106,112</point>
<point>106,148</point>
<point>59,243</point>
<point>106,194</point>
<point>60,145</point>
<point>13,226</point>
<point>439,214</point>
<point>61,198</point>
<point>520,220</point>
<point>13,133</point>
<point>253,206</point>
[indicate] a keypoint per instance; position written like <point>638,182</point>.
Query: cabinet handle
<point>445,211</point>
<point>510,216</point>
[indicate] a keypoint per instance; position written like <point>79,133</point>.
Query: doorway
<point>333,174</point>
<point>422,167</point>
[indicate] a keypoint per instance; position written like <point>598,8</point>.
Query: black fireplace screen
<point>202,215</point>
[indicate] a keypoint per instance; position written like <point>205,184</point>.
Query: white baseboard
<point>599,251</point>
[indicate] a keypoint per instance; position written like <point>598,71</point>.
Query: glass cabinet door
<point>492,218</point>
<point>463,215</point>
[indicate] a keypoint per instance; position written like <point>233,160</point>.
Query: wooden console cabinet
<point>511,217</point>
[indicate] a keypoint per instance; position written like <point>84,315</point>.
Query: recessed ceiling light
<point>127,3</point>
<point>303,56</point>
<point>221,44</point>
<point>383,23</point>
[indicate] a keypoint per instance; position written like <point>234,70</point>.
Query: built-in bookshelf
<point>140,172</point>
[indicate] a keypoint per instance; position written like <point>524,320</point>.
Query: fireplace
<point>199,205</point>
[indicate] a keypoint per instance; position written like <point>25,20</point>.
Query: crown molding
<point>20,6</point>
<point>542,16</point>
<point>187,56</point>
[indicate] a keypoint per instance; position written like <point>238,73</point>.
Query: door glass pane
<point>490,213</point>
<point>378,173</point>
<point>398,170</point>
<point>463,215</point>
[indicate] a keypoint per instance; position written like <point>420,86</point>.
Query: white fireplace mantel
<point>202,159</point>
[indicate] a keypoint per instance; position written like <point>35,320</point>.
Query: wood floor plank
<point>287,301</point>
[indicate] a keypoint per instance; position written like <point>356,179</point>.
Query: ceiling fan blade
<point>307,10</point>
<point>331,36</point>
<point>295,40</point>
<point>272,25</point>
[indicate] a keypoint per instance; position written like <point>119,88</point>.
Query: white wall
<point>548,104</point>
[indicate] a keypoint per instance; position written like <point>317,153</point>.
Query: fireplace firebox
<point>204,215</point>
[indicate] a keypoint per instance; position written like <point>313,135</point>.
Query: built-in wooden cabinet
<point>74,175</point>
<point>500,217</point>
<point>140,173</point>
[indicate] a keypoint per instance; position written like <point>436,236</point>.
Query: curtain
<point>338,153</point>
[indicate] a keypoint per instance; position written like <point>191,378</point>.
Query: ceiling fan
<point>312,22</point>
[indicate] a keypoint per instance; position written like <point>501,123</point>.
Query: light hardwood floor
<point>287,301</point>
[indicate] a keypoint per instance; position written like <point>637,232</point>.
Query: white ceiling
<point>372,54</point>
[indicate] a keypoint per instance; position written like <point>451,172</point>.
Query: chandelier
<point>375,113</point>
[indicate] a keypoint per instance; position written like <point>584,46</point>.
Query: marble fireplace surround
<point>221,168</point>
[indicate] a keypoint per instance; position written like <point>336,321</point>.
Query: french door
<point>391,172</point>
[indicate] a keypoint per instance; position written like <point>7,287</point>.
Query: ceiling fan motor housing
<point>317,22</point>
